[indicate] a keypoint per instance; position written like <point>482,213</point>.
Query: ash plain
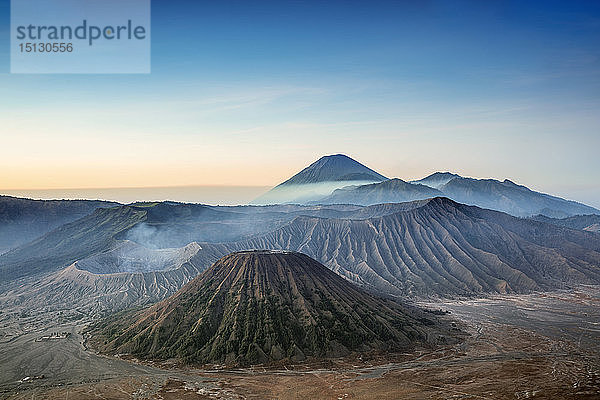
<point>540,345</point>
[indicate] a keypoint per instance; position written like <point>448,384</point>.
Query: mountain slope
<point>262,306</point>
<point>320,179</point>
<point>590,223</point>
<point>436,180</point>
<point>153,225</point>
<point>156,226</point>
<point>90,294</point>
<point>69,243</point>
<point>511,198</point>
<point>127,256</point>
<point>593,228</point>
<point>426,247</point>
<point>390,191</point>
<point>22,220</point>
<point>443,248</point>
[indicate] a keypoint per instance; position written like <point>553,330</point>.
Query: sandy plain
<point>538,346</point>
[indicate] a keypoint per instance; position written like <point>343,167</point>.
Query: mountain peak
<point>260,306</point>
<point>334,168</point>
<point>320,179</point>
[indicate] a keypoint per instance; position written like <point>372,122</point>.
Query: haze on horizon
<point>488,90</point>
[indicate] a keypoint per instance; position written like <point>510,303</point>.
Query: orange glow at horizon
<point>128,176</point>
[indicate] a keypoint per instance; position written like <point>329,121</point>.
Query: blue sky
<point>247,94</point>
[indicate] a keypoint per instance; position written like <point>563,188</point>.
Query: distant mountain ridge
<point>390,191</point>
<point>437,179</point>
<point>505,196</point>
<point>336,179</point>
<point>511,198</point>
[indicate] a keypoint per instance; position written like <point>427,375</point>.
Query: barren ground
<point>540,346</point>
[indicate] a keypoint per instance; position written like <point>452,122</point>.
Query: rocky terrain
<point>265,306</point>
<point>128,256</point>
<point>421,248</point>
<point>443,248</point>
<point>104,283</point>
<point>163,225</point>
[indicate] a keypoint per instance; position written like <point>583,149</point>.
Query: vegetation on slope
<point>261,306</point>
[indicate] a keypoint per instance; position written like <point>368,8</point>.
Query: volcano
<point>263,306</point>
<point>320,179</point>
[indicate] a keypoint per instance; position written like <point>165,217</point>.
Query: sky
<point>248,93</point>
